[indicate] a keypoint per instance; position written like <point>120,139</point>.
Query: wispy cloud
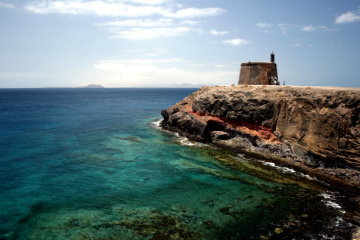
<point>98,8</point>
<point>174,19</point>
<point>264,25</point>
<point>236,41</point>
<point>150,33</point>
<point>285,26</point>
<point>298,43</point>
<point>162,22</point>
<point>149,2</point>
<point>214,32</point>
<point>348,17</point>
<point>109,8</point>
<point>7,5</point>
<point>139,23</point>
<point>188,22</point>
<point>316,28</point>
<point>195,12</point>
<point>308,29</point>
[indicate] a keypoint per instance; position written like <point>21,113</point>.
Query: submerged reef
<point>310,129</point>
<point>270,218</point>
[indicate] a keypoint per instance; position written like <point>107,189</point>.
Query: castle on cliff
<point>259,73</point>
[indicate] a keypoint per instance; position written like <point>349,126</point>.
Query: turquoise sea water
<point>93,164</point>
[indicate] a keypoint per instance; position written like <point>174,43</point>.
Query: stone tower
<point>259,73</point>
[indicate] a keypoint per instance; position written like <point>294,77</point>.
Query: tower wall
<point>258,73</point>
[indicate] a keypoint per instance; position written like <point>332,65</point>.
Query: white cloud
<point>96,7</point>
<point>308,29</point>
<point>150,33</point>
<point>348,17</point>
<point>236,41</point>
<point>287,25</point>
<point>149,2</point>
<point>189,22</point>
<point>143,28</point>
<point>162,22</point>
<point>214,32</point>
<point>264,25</point>
<point>112,8</point>
<point>139,23</point>
<point>7,5</point>
<point>324,28</point>
<point>316,28</point>
<point>196,12</point>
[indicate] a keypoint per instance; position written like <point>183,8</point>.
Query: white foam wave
<point>325,195</point>
<point>156,124</point>
<point>182,140</point>
<point>187,142</point>
<point>282,169</point>
<point>307,176</point>
<point>327,237</point>
<point>329,201</point>
<point>287,170</point>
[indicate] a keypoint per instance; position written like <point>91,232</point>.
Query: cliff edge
<point>314,130</point>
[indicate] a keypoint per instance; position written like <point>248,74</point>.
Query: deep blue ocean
<point>94,164</point>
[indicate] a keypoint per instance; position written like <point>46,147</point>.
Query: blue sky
<point>165,43</point>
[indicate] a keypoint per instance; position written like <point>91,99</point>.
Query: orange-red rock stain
<point>252,129</point>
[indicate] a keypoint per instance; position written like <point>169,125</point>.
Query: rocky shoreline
<point>313,130</point>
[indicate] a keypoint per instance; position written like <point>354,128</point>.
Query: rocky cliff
<point>316,130</point>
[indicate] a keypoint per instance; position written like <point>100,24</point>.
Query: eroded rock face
<point>312,127</point>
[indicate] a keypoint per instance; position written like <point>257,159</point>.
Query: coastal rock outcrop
<point>312,129</point>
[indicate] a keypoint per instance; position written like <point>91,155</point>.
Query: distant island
<point>93,86</point>
<point>88,86</point>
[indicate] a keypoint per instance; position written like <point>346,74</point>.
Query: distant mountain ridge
<point>93,86</point>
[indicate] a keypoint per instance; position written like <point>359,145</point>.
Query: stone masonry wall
<point>257,73</point>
